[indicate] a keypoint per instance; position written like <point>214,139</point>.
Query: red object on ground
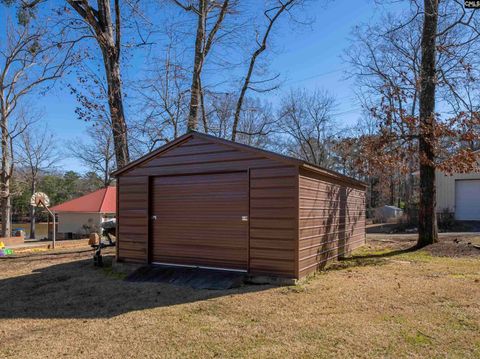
<point>102,201</point>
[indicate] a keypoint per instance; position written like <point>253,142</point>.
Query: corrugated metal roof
<point>102,201</point>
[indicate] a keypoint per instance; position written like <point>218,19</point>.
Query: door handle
<point>153,218</point>
<point>244,218</point>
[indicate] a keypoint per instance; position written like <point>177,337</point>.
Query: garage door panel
<point>467,200</point>
<point>230,178</point>
<point>199,223</point>
<point>202,252</point>
<point>194,261</point>
<point>210,196</point>
<point>214,207</point>
<point>179,234</point>
<point>219,232</point>
<point>184,248</point>
<point>199,220</point>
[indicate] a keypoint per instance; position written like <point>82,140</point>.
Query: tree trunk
<point>106,174</point>
<point>262,47</point>
<point>115,102</point>
<point>246,84</point>
<point>6,212</point>
<point>202,105</point>
<point>427,226</point>
<point>197,69</point>
<point>32,212</point>
<point>392,192</point>
<point>5,209</point>
<point>109,42</point>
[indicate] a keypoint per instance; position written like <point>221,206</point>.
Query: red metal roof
<point>102,201</point>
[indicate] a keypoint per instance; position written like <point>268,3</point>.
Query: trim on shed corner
<point>149,221</point>
<point>297,225</point>
<point>117,226</point>
<point>249,219</point>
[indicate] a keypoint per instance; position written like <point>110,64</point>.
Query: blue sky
<point>305,56</point>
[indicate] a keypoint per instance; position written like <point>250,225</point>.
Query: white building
<point>459,194</point>
<point>81,216</point>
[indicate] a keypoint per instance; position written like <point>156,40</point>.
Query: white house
<point>81,216</point>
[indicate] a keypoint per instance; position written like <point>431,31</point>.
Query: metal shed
<point>208,202</point>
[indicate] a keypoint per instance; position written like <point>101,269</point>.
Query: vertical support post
<point>54,229</point>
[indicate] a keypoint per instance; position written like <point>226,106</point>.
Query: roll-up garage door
<point>467,200</point>
<point>200,220</point>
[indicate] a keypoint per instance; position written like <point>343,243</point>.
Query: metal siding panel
<point>273,222</point>
<point>331,220</point>
<point>132,217</point>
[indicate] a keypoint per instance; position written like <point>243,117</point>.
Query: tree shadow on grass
<point>368,259</point>
<point>78,290</point>
<point>392,253</point>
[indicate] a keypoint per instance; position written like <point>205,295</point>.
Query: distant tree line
<point>59,186</point>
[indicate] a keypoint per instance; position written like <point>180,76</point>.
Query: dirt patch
<point>449,244</point>
<point>456,246</point>
<point>45,245</point>
<point>404,228</point>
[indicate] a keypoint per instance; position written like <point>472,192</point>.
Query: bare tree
<point>405,65</point>
<point>30,58</point>
<point>210,15</point>
<point>98,155</point>
<point>107,31</point>
<point>272,15</point>
<point>307,120</point>
<point>37,154</point>
<point>386,65</point>
<point>163,97</point>
<point>256,123</point>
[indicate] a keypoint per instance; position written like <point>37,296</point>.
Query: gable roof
<point>101,201</point>
<point>241,147</point>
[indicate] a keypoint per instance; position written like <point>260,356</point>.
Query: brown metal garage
<point>207,202</point>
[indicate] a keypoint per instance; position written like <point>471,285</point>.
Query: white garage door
<point>467,200</point>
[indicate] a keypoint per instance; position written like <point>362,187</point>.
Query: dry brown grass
<point>412,304</point>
